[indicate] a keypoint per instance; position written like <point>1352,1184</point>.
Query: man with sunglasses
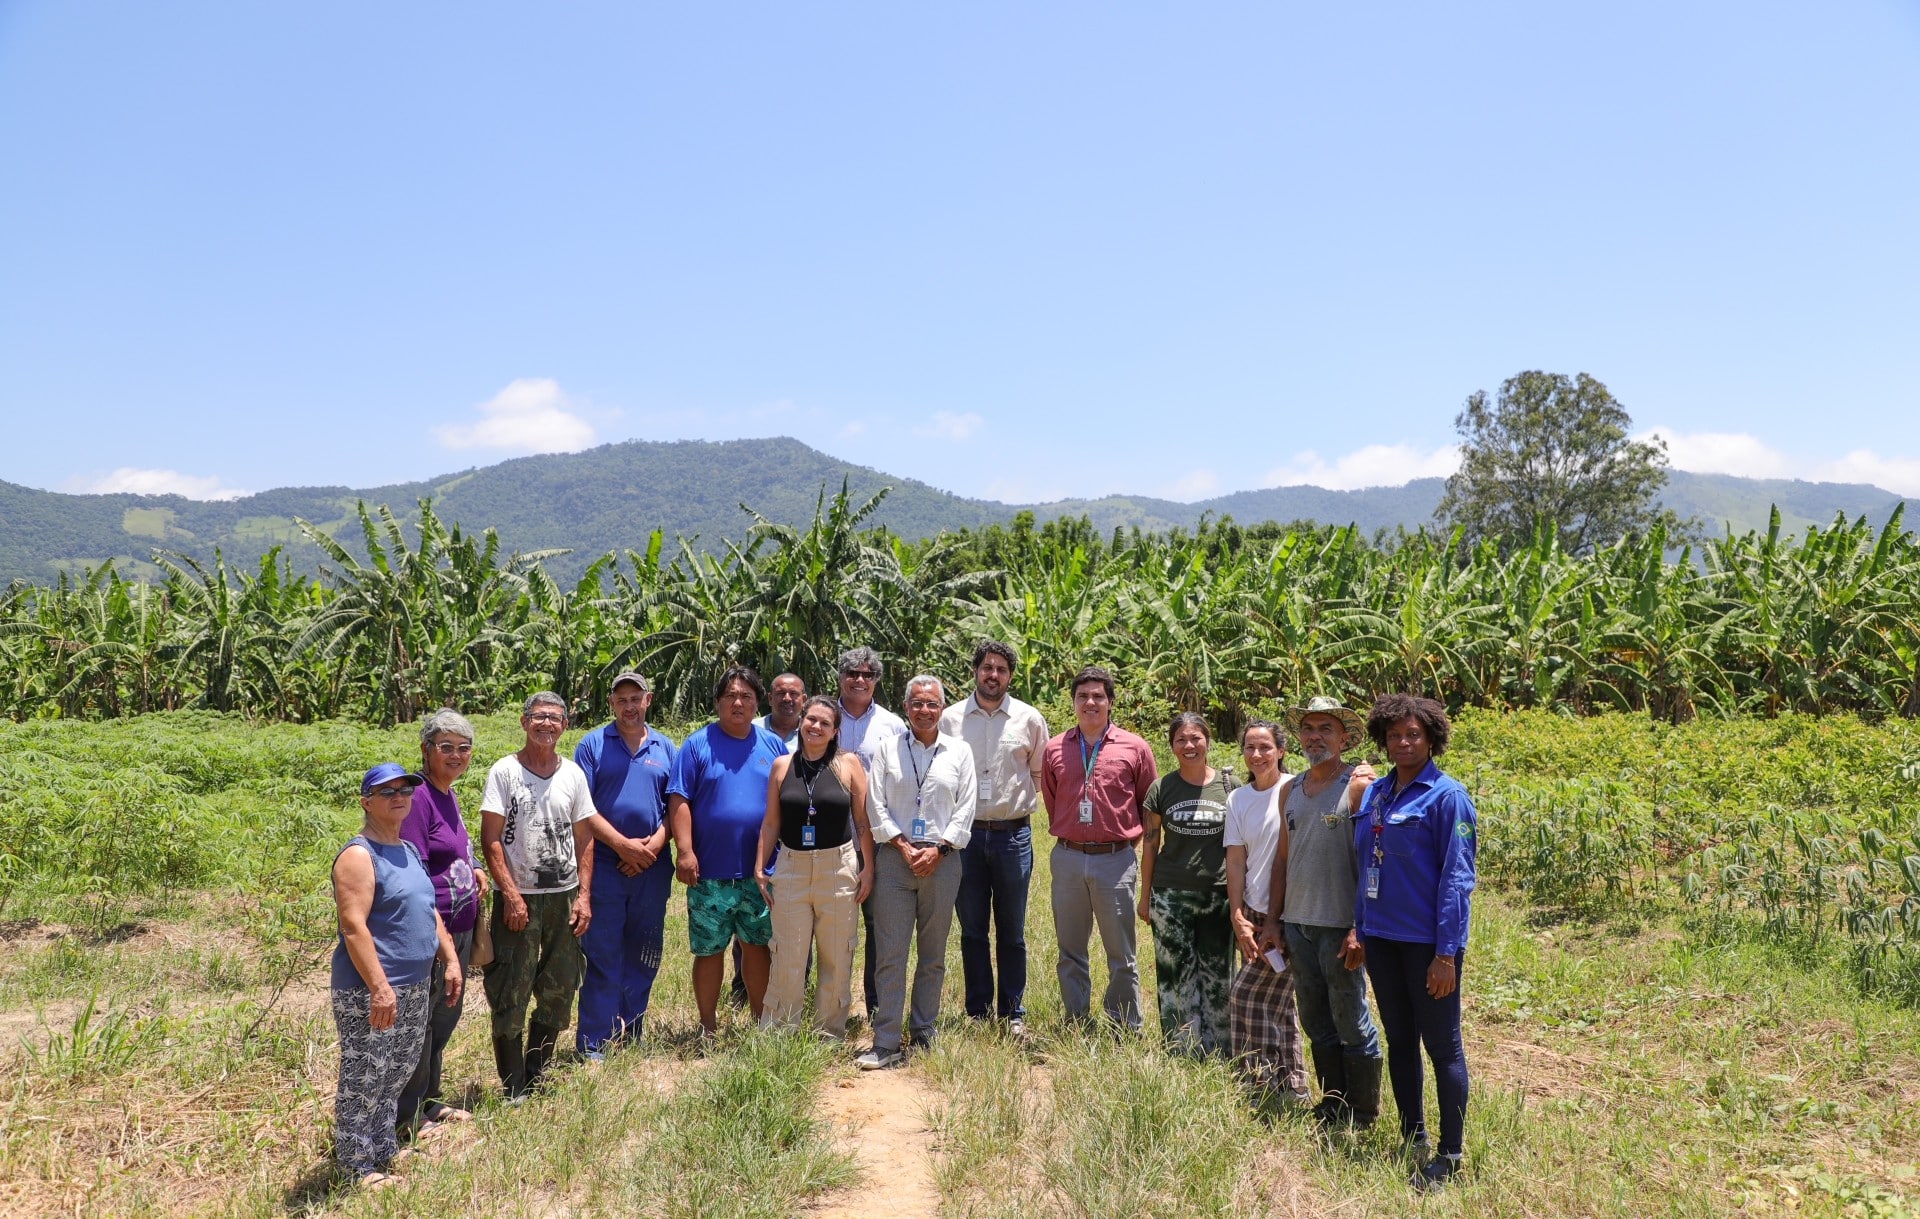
<point>864,724</point>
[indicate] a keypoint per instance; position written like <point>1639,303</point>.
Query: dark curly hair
<point>1390,709</point>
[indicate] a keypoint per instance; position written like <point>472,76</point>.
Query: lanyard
<point>919,783</point>
<point>806,781</point>
<point>1089,761</point>
<point>1380,824</point>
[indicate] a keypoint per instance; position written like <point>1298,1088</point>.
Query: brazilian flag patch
<point>1464,829</point>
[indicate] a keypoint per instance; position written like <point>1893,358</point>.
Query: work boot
<point>1331,1070</point>
<point>510,1059</point>
<point>1363,1089</point>
<point>541,1039</point>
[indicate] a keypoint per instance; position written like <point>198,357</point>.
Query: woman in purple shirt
<point>435,829</point>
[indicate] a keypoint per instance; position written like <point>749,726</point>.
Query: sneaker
<point>879,1060</point>
<point>1017,1029</point>
<point>594,1058</point>
<point>1436,1173</point>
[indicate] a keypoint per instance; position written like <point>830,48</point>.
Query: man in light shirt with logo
<point>921,803</point>
<point>1008,740</point>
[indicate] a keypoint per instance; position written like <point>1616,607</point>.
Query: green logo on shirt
<point>1465,829</point>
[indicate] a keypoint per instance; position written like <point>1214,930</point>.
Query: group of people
<point>1273,904</point>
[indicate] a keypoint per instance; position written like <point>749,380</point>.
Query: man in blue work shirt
<point>627,765</point>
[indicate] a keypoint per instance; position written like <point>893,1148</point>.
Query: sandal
<point>439,1111</point>
<point>377,1180</point>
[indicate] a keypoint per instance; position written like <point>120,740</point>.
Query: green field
<point>1689,991</point>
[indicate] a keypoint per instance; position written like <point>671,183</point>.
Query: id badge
<point>984,789</point>
<point>919,829</point>
<point>1373,883</point>
<point>1086,811</point>
<point>807,836</point>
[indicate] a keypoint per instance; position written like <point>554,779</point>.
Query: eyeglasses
<point>450,750</point>
<point>547,718</point>
<point>858,675</point>
<point>388,793</point>
<point>926,704</point>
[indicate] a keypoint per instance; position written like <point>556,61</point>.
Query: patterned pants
<point>1266,1034</point>
<point>1193,963</point>
<point>375,1065</point>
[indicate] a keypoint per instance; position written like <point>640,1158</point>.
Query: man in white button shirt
<point>1008,739</point>
<point>864,723</point>
<point>920,798</point>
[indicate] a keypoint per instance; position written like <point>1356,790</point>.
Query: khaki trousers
<point>813,906</point>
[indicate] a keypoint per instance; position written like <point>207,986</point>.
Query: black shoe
<point>1435,1173</point>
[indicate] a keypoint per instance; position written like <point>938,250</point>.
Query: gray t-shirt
<point>1320,864</point>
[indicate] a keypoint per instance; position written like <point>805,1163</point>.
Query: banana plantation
<point>422,613</point>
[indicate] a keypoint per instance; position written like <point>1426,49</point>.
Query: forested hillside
<point>610,498</point>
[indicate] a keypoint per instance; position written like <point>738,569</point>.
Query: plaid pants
<point>1265,1031</point>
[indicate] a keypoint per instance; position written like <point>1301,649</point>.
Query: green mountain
<point>614,496</point>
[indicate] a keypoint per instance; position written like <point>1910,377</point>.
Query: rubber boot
<point>1330,1067</point>
<point>510,1059</point>
<point>1363,1089</point>
<point>541,1040</point>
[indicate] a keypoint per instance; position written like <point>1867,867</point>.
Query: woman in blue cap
<point>390,934</point>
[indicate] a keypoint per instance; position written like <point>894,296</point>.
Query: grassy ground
<point>179,1058</point>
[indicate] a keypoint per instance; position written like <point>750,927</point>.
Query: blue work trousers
<point>622,945</point>
<point>1413,1018</point>
<point>995,871</point>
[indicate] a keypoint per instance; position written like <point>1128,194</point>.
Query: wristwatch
<point>946,849</point>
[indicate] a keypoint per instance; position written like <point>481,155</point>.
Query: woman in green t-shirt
<point>1183,893</point>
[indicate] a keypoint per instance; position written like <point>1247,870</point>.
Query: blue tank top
<point>401,919</point>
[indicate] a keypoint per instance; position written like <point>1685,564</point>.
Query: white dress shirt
<point>1008,744</point>
<point>931,783</point>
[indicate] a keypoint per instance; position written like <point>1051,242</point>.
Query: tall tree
<point>1552,449</point>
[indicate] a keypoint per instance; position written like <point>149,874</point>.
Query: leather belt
<point>1095,848</point>
<point>1009,823</point>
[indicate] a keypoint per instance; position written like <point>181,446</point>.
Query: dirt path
<point>879,1115</point>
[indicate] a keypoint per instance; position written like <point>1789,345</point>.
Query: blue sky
<point>1018,251</point>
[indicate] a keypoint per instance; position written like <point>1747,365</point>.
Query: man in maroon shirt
<point>1093,779</point>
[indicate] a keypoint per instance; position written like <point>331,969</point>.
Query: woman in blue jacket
<point>1415,843</point>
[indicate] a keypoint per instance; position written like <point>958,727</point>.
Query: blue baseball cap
<point>387,772</point>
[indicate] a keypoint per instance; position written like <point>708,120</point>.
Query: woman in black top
<point>817,813</point>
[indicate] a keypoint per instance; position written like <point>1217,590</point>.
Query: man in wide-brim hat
<point>1310,911</point>
<point>1323,704</point>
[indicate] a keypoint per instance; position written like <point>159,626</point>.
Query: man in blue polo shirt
<point>716,803</point>
<point>627,766</point>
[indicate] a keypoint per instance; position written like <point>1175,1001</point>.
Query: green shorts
<point>718,910</point>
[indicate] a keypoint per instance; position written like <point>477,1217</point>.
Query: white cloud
<point>1722,453</point>
<point>946,425</point>
<point>1376,465</point>
<point>1750,457</point>
<point>1193,485</point>
<point>133,481</point>
<point>852,428</point>
<point>531,415</point>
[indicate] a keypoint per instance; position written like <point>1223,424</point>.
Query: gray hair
<point>445,722</point>
<point>862,657</point>
<point>925,679</point>
<point>546,697</point>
